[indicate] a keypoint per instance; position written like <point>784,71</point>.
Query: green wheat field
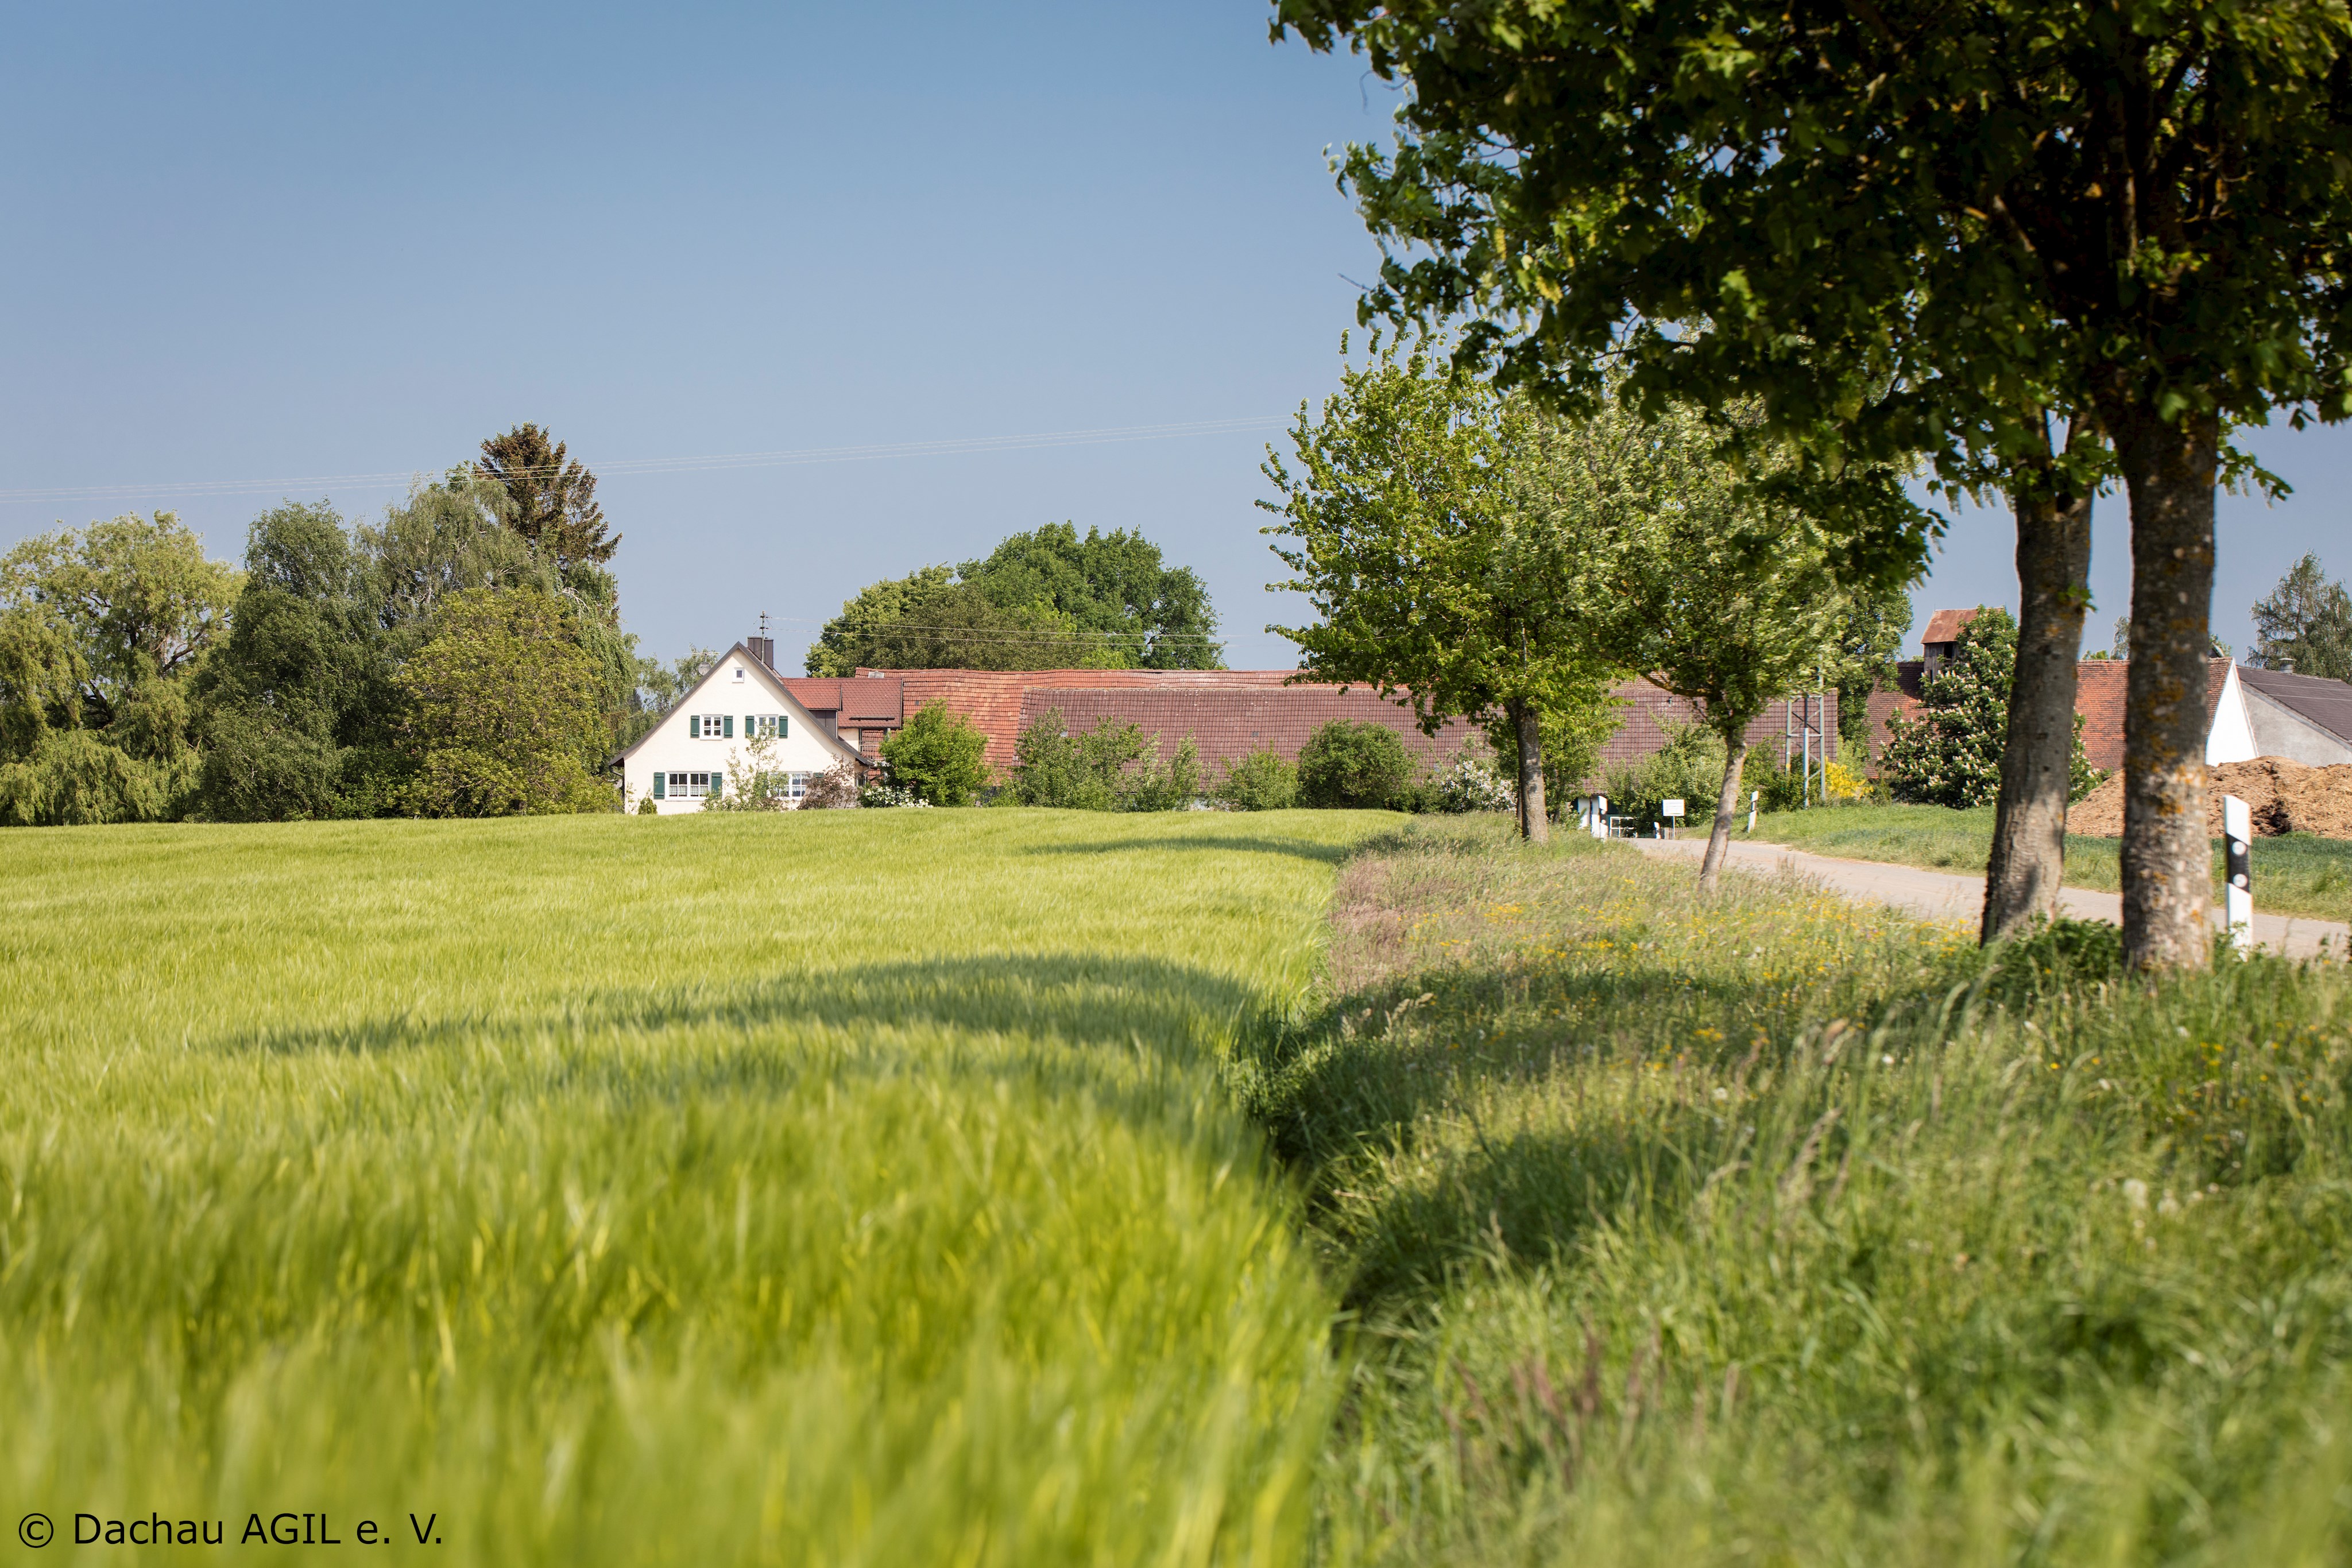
<point>1023,1187</point>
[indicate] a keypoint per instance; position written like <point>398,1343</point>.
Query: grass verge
<point>1782,1229</point>
<point>2301,873</point>
<point>854,1188</point>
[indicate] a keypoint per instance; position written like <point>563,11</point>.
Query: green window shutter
<point>784,726</point>
<point>694,726</point>
<point>658,780</point>
<point>718,783</point>
<point>730,721</point>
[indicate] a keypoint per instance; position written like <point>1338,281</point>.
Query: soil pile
<point>2283,795</point>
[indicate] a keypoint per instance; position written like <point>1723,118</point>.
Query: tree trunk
<point>1535,821</point>
<point>2169,468</point>
<point>1727,807</point>
<point>2028,833</point>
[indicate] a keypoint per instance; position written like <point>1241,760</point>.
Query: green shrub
<point>1114,767</point>
<point>1265,781</point>
<point>1349,766</point>
<point>1688,766</point>
<point>937,758</point>
<point>1781,787</point>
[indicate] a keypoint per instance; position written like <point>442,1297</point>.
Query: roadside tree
<point>2029,220</point>
<point>1440,578</point>
<point>1725,599</point>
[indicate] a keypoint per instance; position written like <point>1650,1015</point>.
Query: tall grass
<point>858,1187</point>
<point>1784,1231</point>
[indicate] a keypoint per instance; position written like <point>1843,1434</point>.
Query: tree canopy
<point>2304,623</point>
<point>553,498</point>
<point>1044,599</point>
<point>1440,576</point>
<point>101,630</point>
<point>2007,212</point>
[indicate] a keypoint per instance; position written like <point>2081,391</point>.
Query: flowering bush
<point>1950,755</point>
<point>884,794</point>
<point>835,789</point>
<point>1472,784</point>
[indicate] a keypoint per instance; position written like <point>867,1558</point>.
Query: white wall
<point>2232,738</point>
<point>735,686</point>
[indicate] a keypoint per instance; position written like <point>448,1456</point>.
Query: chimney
<point>763,649</point>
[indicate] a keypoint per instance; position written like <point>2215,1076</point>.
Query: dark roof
<point>2322,702</point>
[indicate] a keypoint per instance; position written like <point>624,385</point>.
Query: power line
<point>715,463</point>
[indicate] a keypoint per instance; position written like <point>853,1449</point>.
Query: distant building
<point>2249,712</point>
<point>687,758</point>
<point>1228,713</point>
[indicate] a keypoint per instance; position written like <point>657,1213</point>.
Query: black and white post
<point>2238,897</point>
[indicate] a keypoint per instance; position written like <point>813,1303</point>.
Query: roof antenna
<point>763,622</point>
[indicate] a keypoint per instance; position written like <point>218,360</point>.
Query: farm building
<point>684,759</point>
<point>1228,713</point>
<point>2249,712</point>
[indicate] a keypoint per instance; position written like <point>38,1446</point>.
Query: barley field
<point>1030,1187</point>
<point>860,1187</point>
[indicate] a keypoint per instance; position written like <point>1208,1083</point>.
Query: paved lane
<point>1941,895</point>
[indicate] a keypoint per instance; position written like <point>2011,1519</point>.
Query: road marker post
<point>1753,797</point>
<point>2237,896</point>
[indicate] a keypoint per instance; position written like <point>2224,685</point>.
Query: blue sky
<point>259,245</point>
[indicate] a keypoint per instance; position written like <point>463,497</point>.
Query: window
<point>711,727</point>
<point>772,724</point>
<point>796,784</point>
<point>685,786</point>
<point>738,675</point>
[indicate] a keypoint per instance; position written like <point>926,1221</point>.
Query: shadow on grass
<point>1303,849</point>
<point>1124,1028</point>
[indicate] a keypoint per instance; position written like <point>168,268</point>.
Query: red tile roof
<point>1649,708</point>
<point>2099,699</point>
<point>1229,713</point>
<point>1944,626</point>
<point>2099,689</point>
<point>1229,724</point>
<point>992,699</point>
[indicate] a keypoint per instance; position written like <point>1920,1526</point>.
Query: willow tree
<point>2055,230</point>
<point>1440,579</point>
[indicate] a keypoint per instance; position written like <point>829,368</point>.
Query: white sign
<point>1671,809</point>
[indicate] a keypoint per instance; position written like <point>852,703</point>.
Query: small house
<point>688,757</point>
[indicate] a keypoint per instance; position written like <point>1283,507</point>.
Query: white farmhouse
<point>684,759</point>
